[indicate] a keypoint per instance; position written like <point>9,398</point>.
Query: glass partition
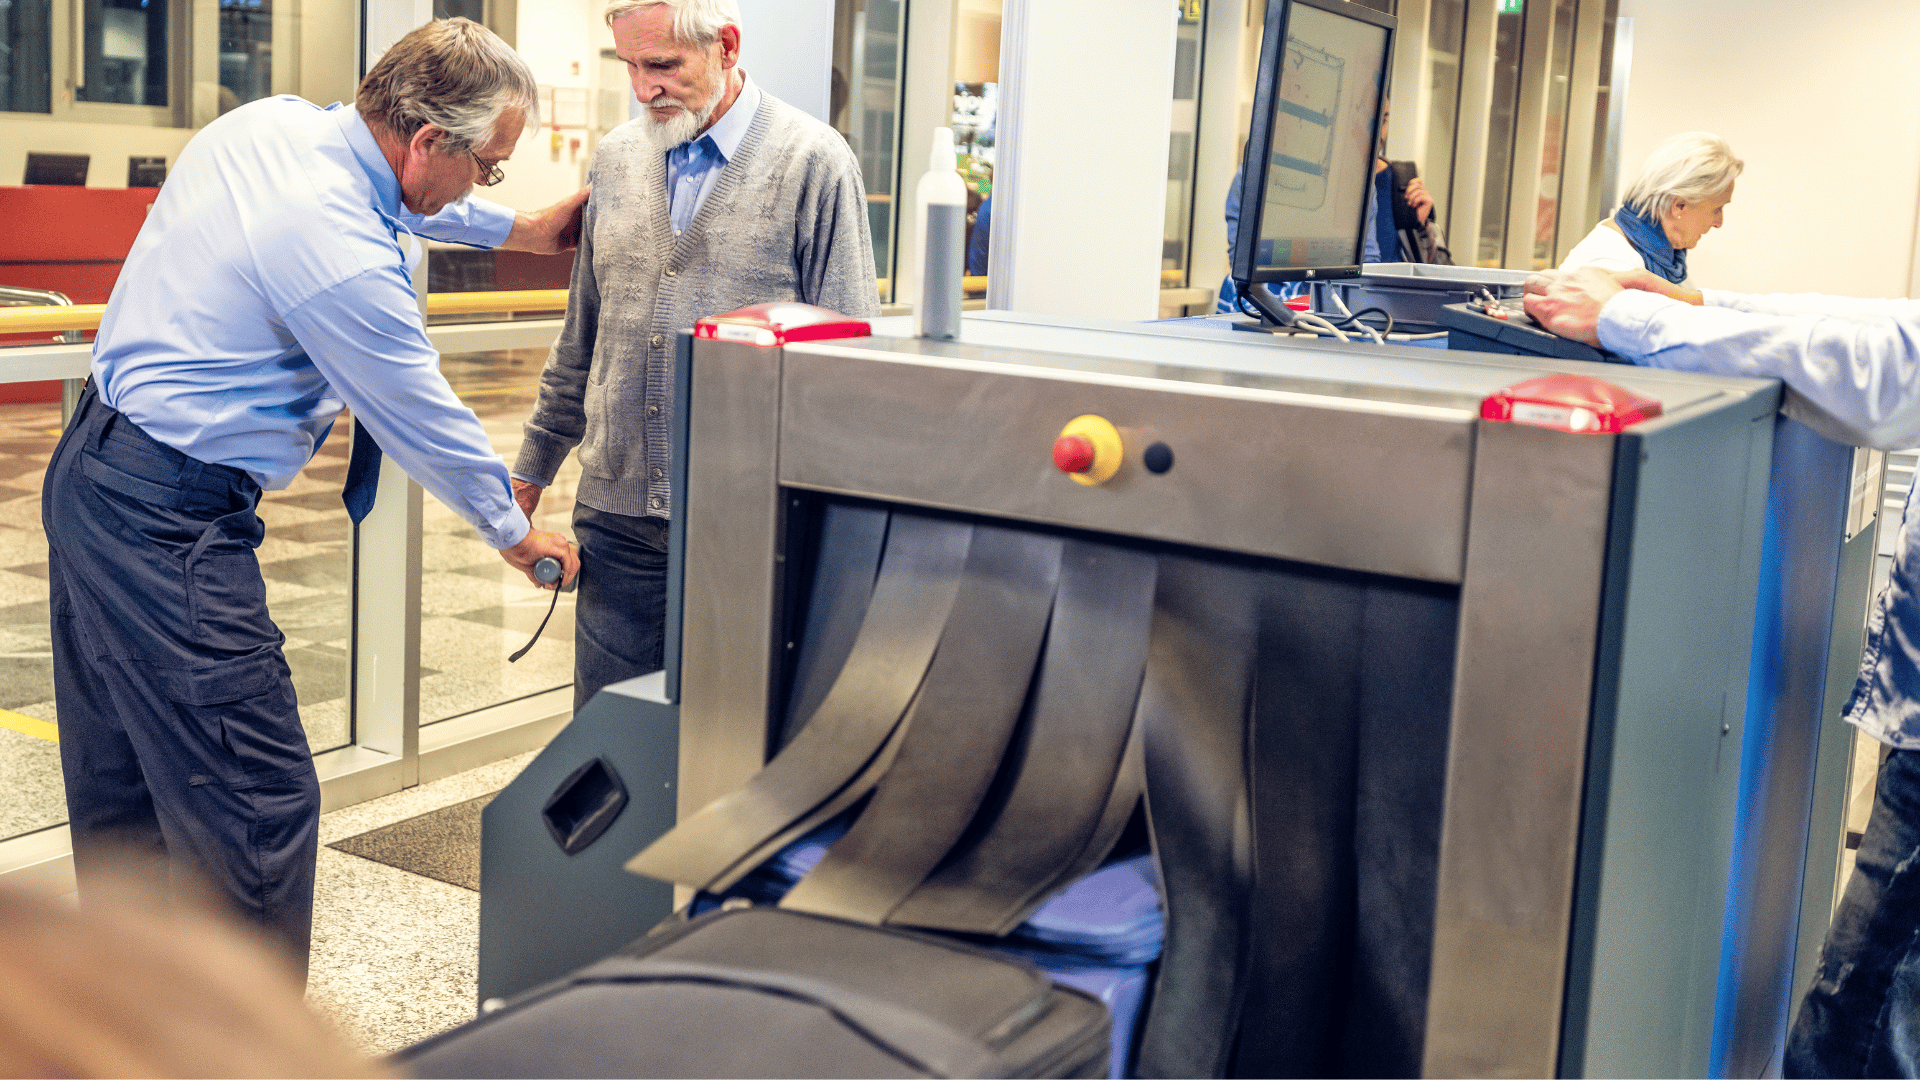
<point>1500,129</point>
<point>1446,41</point>
<point>864,106</point>
<point>126,49</point>
<point>1553,149</point>
<point>33,796</point>
<point>475,610</point>
<point>26,56</point>
<point>1188,48</point>
<point>246,51</point>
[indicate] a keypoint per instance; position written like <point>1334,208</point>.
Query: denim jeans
<point>1862,1015</point>
<point>619,616</point>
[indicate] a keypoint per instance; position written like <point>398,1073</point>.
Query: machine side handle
<point>584,805</point>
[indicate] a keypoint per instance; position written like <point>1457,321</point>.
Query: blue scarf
<point>1650,240</point>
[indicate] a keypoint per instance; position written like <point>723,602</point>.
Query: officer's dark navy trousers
<point>179,735</point>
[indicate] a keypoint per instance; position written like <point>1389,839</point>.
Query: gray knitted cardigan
<point>786,220</point>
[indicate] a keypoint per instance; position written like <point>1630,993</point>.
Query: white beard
<point>685,124</point>
<point>666,136</point>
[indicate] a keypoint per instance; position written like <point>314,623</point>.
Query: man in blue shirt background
<point>267,291</point>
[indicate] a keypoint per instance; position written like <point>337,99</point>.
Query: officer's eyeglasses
<point>489,174</point>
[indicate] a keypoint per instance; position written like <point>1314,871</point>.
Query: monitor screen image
<point>1318,112</point>
<point>67,169</point>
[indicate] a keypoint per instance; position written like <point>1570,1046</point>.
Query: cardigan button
<point>659,340</point>
<point>653,410</point>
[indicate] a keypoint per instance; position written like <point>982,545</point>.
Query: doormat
<point>443,844</point>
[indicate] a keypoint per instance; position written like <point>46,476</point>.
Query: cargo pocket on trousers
<point>227,601</point>
<point>246,710</point>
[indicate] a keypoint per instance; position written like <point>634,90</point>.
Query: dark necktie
<point>363,473</point>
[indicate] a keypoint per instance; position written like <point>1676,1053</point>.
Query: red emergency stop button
<point>1088,449</point>
<point>1073,453</point>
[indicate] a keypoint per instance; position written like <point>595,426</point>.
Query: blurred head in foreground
<point>140,982</point>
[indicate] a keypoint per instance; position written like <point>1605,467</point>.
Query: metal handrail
<point>43,298</point>
<point>34,296</point>
<point>75,318</point>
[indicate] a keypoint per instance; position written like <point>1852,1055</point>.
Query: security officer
<point>267,291</point>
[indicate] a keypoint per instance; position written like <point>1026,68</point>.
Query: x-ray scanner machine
<point>1519,654</point>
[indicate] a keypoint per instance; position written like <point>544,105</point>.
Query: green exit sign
<point>1512,7</point>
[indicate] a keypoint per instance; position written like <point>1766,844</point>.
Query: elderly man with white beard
<point>718,197</point>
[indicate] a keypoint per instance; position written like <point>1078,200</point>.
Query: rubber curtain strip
<point>845,563</point>
<point>1406,704</point>
<point>1128,787</point>
<point>919,578</point>
<point>1082,709</point>
<point>1306,703</point>
<point>853,792</point>
<point>1193,707</point>
<point>962,723</point>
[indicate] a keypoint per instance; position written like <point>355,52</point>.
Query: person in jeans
<point>1852,369</point>
<point>719,196</point>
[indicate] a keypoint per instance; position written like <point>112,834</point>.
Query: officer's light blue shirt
<point>694,166</point>
<point>1852,369</point>
<point>268,290</point>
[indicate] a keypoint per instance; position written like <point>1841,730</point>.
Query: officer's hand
<point>1648,281</point>
<point>1569,303</point>
<point>527,494</point>
<point>549,231</point>
<point>539,544</point>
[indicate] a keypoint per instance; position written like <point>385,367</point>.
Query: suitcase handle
<point>584,804</point>
<point>931,1046</point>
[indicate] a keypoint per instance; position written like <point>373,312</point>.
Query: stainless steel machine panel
<point>1368,484</point>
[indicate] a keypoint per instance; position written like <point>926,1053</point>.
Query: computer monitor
<point>1308,168</point>
<point>146,171</point>
<point>67,169</point>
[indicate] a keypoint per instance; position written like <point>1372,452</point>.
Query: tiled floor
<point>475,610</point>
<point>396,955</point>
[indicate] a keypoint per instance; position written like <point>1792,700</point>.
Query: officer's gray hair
<point>695,22</point>
<point>452,73</point>
<point>1692,166</point>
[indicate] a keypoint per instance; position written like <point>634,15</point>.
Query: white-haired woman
<point>1681,192</point>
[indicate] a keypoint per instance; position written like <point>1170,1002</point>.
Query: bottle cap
<point>942,157</point>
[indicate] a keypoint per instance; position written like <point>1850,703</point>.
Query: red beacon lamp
<point>769,326</point>
<point>1579,404</point>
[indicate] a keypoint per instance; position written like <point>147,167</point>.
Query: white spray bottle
<point>941,212</point>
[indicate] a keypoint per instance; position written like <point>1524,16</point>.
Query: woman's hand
<point>1648,281</point>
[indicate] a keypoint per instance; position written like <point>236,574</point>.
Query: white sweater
<point>1607,249</point>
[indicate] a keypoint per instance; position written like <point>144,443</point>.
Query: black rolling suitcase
<point>763,992</point>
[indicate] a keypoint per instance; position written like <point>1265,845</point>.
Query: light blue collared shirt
<point>1852,369</point>
<point>694,166</point>
<point>268,290</point>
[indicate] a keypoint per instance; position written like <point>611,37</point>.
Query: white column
<point>387,21</point>
<point>1080,188</point>
<point>787,46</point>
